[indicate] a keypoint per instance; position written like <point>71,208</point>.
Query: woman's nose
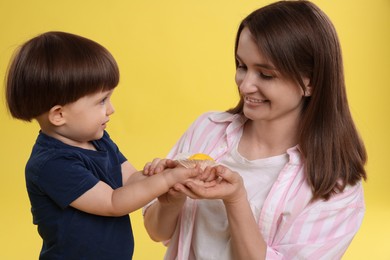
<point>246,83</point>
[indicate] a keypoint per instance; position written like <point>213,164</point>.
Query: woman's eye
<point>266,75</point>
<point>241,67</point>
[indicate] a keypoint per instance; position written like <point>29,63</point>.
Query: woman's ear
<point>308,91</point>
<point>56,116</point>
<point>308,87</point>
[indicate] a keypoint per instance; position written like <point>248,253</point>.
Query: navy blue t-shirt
<point>56,175</point>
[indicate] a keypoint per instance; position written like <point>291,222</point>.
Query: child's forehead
<point>103,92</point>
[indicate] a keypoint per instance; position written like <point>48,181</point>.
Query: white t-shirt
<point>211,237</point>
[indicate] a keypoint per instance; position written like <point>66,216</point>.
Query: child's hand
<point>158,165</point>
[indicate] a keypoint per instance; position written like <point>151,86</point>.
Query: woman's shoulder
<point>218,117</point>
<point>212,124</point>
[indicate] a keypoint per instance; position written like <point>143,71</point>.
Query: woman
<point>291,160</point>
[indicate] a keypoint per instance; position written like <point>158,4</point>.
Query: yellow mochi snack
<point>200,156</point>
<point>191,161</point>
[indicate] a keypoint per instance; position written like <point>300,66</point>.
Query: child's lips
<point>105,123</point>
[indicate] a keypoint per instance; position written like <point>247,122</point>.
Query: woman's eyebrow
<point>260,65</point>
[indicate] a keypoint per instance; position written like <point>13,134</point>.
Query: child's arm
<point>127,170</point>
<point>103,200</point>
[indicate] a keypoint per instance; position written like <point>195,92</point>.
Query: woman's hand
<point>221,183</point>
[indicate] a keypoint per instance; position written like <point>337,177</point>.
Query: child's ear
<point>56,116</point>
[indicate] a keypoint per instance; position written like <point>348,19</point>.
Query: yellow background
<point>176,62</point>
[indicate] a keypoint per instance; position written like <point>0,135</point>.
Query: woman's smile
<point>251,101</point>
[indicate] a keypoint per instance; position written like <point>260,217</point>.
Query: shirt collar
<point>224,117</point>
<point>237,121</point>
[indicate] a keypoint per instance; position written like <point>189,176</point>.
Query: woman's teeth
<point>253,100</point>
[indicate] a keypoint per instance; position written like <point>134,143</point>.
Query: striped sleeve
<point>323,230</point>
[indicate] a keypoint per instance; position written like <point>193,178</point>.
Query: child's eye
<point>103,101</point>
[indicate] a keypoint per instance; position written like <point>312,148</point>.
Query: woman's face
<point>268,95</point>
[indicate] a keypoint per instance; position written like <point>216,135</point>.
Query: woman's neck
<point>263,139</point>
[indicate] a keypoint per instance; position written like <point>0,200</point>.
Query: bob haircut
<point>57,68</point>
<point>300,40</point>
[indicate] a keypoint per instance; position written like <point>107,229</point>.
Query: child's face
<point>86,119</point>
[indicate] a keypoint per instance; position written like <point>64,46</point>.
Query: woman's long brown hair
<point>300,40</point>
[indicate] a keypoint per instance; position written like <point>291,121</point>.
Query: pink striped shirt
<point>292,227</point>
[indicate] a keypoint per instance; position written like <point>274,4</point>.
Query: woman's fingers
<point>227,185</point>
